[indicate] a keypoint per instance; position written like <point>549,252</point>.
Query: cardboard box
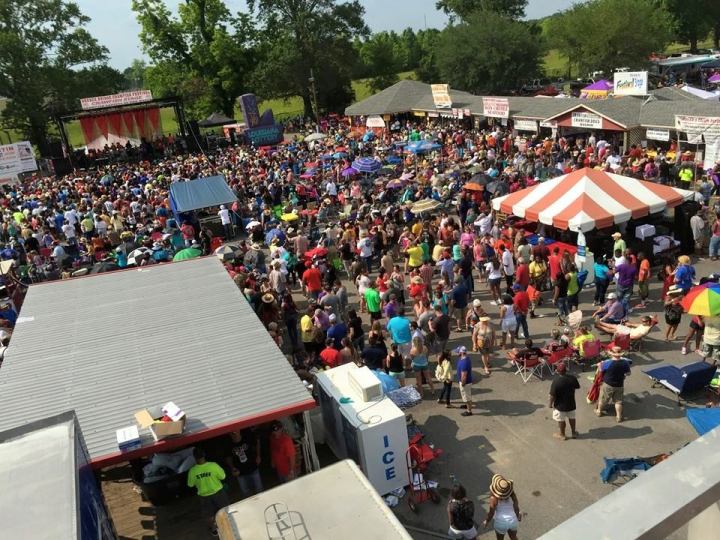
<point>146,419</point>
<point>128,438</point>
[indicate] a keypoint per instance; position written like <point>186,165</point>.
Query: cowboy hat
<point>268,298</point>
<point>616,235</point>
<point>484,318</point>
<point>501,487</point>
<point>674,289</point>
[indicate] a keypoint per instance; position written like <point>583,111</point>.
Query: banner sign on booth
<point>114,100</point>
<point>265,135</point>
<point>657,134</point>
<point>526,125</point>
<point>496,107</point>
<point>16,158</point>
<point>551,125</point>
<point>707,126</point>
<point>631,83</point>
<point>441,96</point>
<point>586,120</point>
<point>375,121</point>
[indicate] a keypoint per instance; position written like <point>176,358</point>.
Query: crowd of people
<point>344,266</point>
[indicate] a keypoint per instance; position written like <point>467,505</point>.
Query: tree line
<point>209,55</point>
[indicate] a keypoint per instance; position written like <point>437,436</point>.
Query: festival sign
<point>249,107</point>
<point>115,100</point>
<point>631,83</point>
<point>525,125</point>
<point>496,107</point>
<point>694,126</point>
<point>586,120</point>
<point>657,134</point>
<point>441,96</point>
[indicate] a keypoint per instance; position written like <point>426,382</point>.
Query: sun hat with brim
<point>683,259</point>
<point>417,280</point>
<point>674,289</point>
<point>501,487</point>
<point>616,235</point>
<point>268,298</point>
<point>484,319</point>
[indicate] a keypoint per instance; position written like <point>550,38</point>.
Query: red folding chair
<point>591,351</point>
<point>619,340</point>
<point>527,367</point>
<point>556,357</point>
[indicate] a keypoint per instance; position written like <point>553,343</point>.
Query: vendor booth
<point>589,200</point>
<point>188,197</point>
<point>597,90</point>
<point>151,360</point>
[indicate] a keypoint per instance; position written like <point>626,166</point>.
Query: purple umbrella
<point>715,78</point>
<point>349,171</point>
<point>395,184</point>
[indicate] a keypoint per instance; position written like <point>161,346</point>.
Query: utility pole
<point>313,89</point>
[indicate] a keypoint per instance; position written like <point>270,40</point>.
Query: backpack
<point>673,313</point>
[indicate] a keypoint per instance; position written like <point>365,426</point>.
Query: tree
<point>426,69</point>
<point>462,9</point>
<point>204,42</point>
<point>487,54</point>
<point>135,75</point>
<point>42,44</point>
<point>382,60</point>
<point>595,36</point>
<point>692,20</point>
<point>304,37</point>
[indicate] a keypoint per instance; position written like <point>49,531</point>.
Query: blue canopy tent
<point>200,193</point>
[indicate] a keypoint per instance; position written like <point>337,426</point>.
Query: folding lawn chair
<point>591,351</point>
<point>527,367</point>
<point>557,357</point>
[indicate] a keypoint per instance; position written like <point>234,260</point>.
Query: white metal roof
<point>334,502</point>
<point>37,469</point>
<point>111,344</point>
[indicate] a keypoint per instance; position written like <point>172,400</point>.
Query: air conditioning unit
<point>364,384</point>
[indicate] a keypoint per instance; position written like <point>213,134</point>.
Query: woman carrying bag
<point>444,375</point>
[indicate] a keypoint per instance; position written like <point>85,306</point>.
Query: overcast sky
<point>114,25</point>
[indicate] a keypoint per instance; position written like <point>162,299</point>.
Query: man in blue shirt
<point>465,379</point>
<point>399,328</point>
<point>337,331</point>
<point>613,387</point>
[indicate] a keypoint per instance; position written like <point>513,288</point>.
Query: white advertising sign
<point>16,158</point>
<point>114,100</point>
<point>441,96</point>
<point>707,126</point>
<point>551,125</point>
<point>658,134</point>
<point>526,125</point>
<point>712,153</point>
<point>375,121</point>
<point>496,107</point>
<point>586,120</point>
<point>631,83</point>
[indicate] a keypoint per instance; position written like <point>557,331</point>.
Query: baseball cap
<point>460,350</point>
<point>517,287</point>
<point>477,303</point>
<point>332,318</point>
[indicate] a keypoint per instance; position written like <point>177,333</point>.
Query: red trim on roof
<point>167,445</point>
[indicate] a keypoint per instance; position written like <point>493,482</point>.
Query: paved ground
<point>511,433</point>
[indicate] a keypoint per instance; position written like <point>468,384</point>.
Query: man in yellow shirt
<point>206,477</point>
<point>415,254</point>
<point>686,176</point>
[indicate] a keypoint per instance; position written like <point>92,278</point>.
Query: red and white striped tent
<point>589,199</point>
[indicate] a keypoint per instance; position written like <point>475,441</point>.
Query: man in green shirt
<point>372,300</point>
<point>207,477</point>
<point>686,176</point>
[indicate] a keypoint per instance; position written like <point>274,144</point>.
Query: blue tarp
<point>704,420</point>
<point>200,193</point>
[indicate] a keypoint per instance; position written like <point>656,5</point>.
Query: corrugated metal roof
<point>112,344</point>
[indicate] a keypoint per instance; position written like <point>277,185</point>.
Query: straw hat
<point>268,298</point>
<point>616,235</point>
<point>417,280</point>
<point>501,487</point>
<point>484,318</point>
<point>683,259</point>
